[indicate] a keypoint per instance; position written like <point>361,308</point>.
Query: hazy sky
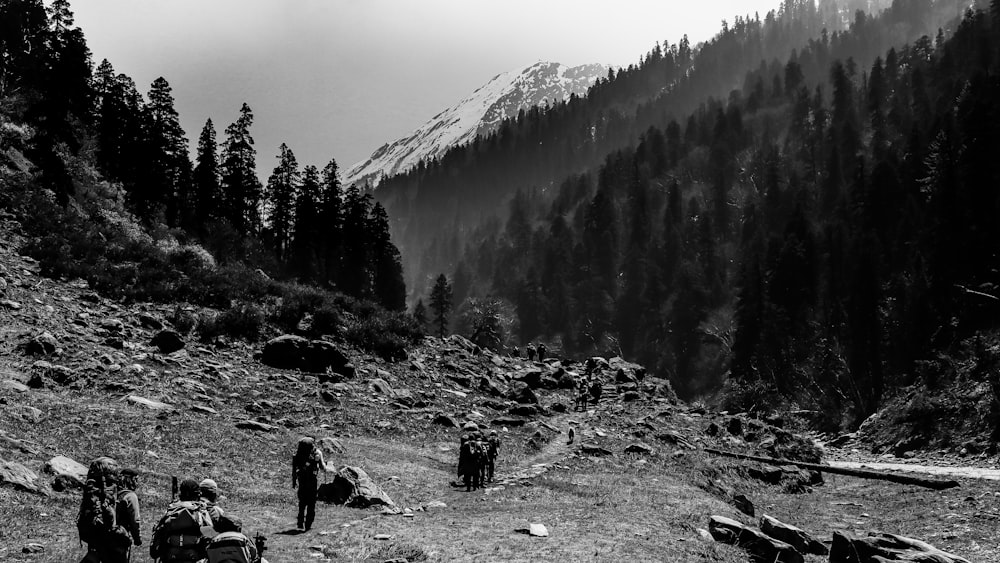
<point>338,78</point>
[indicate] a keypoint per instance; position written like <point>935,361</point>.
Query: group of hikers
<point>477,456</point>
<point>193,529</point>
<point>589,388</point>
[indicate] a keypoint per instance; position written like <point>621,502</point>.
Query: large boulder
<point>43,344</point>
<point>352,487</point>
<point>886,547</point>
<point>295,352</point>
<point>796,537</point>
<point>521,393</point>
<point>533,378</point>
<point>70,473</point>
<point>761,547</point>
<point>488,386</point>
<point>167,341</point>
<point>17,476</point>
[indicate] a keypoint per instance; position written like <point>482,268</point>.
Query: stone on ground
<point>17,476</point>
<point>150,403</point>
<point>167,341</point>
<point>761,547</point>
<point>352,487</point>
<point>538,530</point>
<point>886,547</point>
<point>796,537</point>
<point>75,473</point>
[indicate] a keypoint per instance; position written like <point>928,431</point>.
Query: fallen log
<point>936,484</point>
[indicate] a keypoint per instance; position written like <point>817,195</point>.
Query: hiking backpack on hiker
<point>230,547</point>
<point>96,519</point>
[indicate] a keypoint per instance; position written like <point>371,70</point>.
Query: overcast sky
<point>338,78</point>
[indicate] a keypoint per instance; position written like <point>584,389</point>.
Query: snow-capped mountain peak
<point>479,114</point>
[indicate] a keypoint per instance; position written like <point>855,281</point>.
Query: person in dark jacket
<point>306,465</point>
<point>179,536</point>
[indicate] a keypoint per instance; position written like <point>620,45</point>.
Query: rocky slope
<point>479,114</point>
<point>83,376</point>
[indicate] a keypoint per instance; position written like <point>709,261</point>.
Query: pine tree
<point>441,296</point>
<point>282,193</point>
<point>388,286</point>
<point>331,209</point>
<point>420,315</point>
<point>307,242</point>
<point>241,190</point>
<point>355,275</point>
<point>171,171</point>
<point>208,191</point>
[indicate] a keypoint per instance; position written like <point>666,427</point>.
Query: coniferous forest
<point>818,233</point>
<point>95,139</point>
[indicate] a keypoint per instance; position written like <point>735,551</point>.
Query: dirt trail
<point>551,452</point>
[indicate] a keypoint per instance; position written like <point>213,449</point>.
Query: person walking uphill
<point>306,465</point>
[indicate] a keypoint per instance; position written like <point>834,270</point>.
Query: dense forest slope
<point>437,204</point>
<point>818,235</point>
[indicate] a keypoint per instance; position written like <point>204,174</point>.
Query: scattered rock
<point>33,548</point>
<point>435,504</point>
<point>639,448</point>
<point>149,321</point>
<point>743,504</point>
<point>761,547</point>
<point>521,393</point>
<point>15,386</point>
<point>352,487</point>
<point>508,421</point>
<point>886,547</point>
<point>796,537</point>
<point>17,476</point>
<point>630,396</point>
<point>60,375</point>
<point>526,410</point>
<point>204,409</point>
<point>150,403</point>
<point>43,344</point>
<point>256,426</point>
<point>488,386</point>
<point>558,407</point>
<point>381,387</point>
<point>11,305</point>
<point>538,530</point>
<point>445,420</point>
<point>594,449</point>
<point>72,471</point>
<point>295,352</point>
<point>167,341</point>
<point>331,445</point>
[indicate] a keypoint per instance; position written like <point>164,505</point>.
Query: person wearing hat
<point>179,536</point>
<point>306,465</point>
<point>209,492</point>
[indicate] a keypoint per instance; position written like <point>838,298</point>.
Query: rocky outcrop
<point>167,341</point>
<point>295,352</point>
<point>886,547</point>
<point>352,487</point>
<point>19,477</point>
<point>760,546</point>
<point>521,393</point>
<point>796,537</point>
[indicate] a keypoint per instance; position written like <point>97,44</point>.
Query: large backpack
<point>230,547</point>
<point>186,517</point>
<point>96,519</point>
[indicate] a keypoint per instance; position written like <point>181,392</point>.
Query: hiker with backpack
<point>492,451</point>
<point>179,536</point>
<point>108,521</point>
<point>209,494</point>
<point>306,465</point>
<point>466,463</point>
<point>232,546</point>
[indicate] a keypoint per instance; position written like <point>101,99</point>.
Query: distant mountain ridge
<point>479,114</point>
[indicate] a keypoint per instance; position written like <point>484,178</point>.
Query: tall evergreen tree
<point>208,190</point>
<point>241,190</point>
<point>354,277</point>
<point>171,168</point>
<point>441,304</point>
<point>281,196</point>
<point>307,242</point>
<point>331,209</point>
<point>388,286</point>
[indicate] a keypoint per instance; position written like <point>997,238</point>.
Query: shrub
<point>296,301</point>
<point>182,321</point>
<point>384,333</point>
<point>326,320</point>
<point>243,320</point>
